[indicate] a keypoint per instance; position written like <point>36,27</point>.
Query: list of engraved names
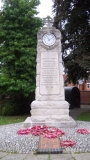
<point>49,74</point>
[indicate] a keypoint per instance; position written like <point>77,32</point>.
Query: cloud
<point>1,4</point>
<point>45,8</point>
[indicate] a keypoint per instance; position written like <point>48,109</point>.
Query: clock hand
<point>48,38</point>
<point>51,37</point>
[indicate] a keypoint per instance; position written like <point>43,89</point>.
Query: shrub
<point>9,109</point>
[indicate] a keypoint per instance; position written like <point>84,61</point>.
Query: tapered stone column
<point>49,107</point>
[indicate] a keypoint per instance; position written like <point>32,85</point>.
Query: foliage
<point>73,19</point>
<point>8,109</point>
<point>18,40</point>
<point>16,105</point>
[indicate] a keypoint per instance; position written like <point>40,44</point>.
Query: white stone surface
<point>46,111</point>
<point>51,113</point>
<point>59,97</point>
<point>49,107</point>
<point>64,123</point>
<point>49,59</point>
<point>49,74</point>
<point>50,104</point>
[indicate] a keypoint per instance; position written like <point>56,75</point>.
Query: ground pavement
<point>76,111</point>
<point>72,156</point>
<point>9,156</point>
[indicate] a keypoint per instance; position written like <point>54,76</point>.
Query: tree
<point>18,39</point>
<point>73,19</point>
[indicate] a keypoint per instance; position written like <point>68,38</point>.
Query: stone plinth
<point>50,113</point>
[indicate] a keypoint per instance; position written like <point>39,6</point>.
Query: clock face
<point>49,39</point>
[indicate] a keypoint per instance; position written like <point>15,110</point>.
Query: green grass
<point>12,119</point>
<point>85,116</point>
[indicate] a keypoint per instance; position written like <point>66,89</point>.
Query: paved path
<point>8,156</point>
<point>76,111</point>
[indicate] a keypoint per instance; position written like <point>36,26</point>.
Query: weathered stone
<point>50,106</point>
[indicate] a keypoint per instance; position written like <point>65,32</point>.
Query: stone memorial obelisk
<point>49,107</point>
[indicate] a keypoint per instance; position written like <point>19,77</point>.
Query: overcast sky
<point>45,8</point>
<point>0,3</point>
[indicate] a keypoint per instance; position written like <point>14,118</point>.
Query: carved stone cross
<point>48,20</point>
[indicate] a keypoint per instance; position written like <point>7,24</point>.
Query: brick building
<point>84,88</point>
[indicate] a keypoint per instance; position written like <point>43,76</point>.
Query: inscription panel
<point>49,73</point>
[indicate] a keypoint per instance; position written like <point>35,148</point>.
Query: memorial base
<point>62,124</point>
<point>50,113</point>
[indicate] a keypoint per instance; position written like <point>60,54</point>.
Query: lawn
<point>85,116</point>
<point>12,119</point>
